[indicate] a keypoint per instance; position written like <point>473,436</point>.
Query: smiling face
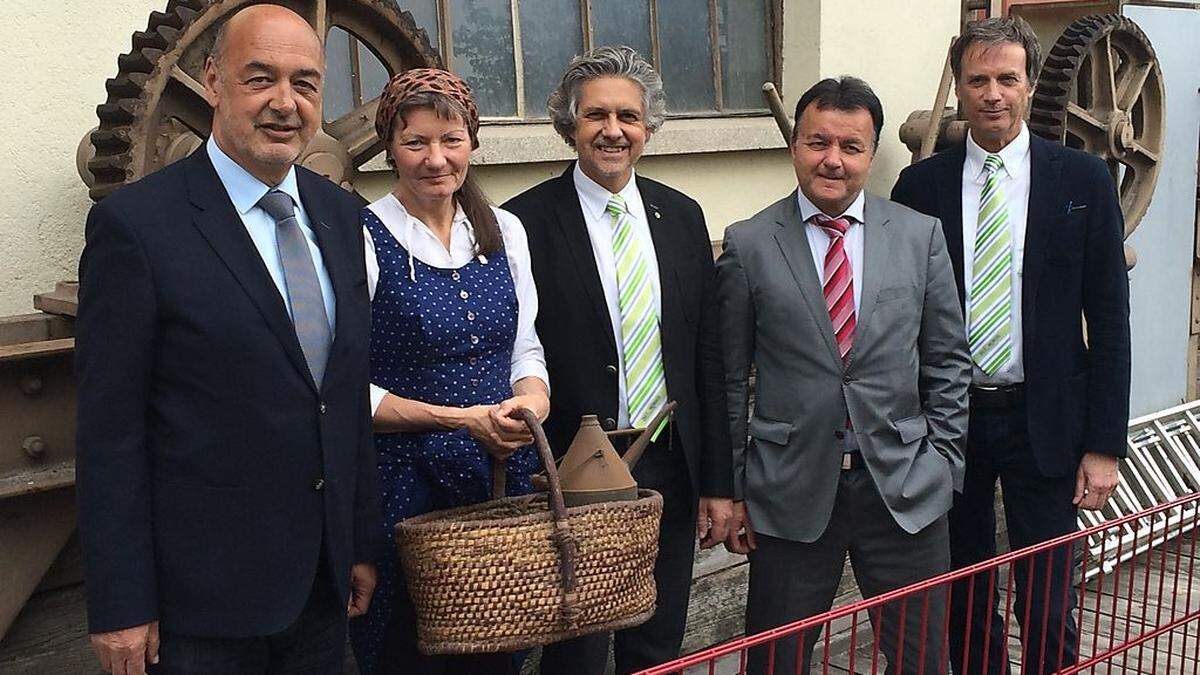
<point>610,130</point>
<point>431,155</point>
<point>265,90</point>
<point>994,92</point>
<point>832,154</point>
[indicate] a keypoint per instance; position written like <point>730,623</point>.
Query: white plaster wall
<point>56,58</point>
<point>60,54</point>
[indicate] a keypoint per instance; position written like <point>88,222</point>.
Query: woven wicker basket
<point>518,572</point>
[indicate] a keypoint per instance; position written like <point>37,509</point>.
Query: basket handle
<point>563,540</point>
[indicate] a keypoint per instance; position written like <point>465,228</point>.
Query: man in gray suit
<point>845,304</point>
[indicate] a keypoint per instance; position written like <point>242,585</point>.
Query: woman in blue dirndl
<point>454,353</point>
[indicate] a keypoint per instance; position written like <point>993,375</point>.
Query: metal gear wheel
<point>1101,91</point>
<point>156,112</point>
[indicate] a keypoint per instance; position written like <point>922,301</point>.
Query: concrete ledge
<point>501,144</point>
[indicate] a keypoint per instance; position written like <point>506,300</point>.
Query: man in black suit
<point>227,494</point>
<point>625,277</point>
<point>1035,237</point>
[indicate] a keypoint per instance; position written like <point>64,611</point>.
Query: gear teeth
<point>125,148</point>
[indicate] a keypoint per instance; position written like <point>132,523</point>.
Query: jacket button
<point>847,379</point>
<point>610,369</point>
<point>839,434</point>
<point>609,424</point>
<point>319,484</point>
<point>322,408</point>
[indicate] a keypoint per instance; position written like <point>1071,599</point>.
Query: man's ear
<point>210,77</point>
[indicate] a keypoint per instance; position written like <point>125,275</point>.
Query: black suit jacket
<point>212,474</point>
<point>577,334</point>
<point>1076,388</point>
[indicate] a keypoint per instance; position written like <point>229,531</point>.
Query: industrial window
<point>713,55</point>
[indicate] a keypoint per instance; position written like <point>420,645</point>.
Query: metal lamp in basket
<point>518,572</point>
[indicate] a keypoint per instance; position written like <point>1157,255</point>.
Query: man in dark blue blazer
<point>1035,237</point>
<point>227,494</point>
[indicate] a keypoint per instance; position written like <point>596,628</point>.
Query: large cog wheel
<point>1101,91</point>
<point>156,113</point>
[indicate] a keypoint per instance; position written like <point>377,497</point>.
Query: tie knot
<point>834,227</point>
<point>993,163</point>
<point>278,205</point>
<point>616,205</point>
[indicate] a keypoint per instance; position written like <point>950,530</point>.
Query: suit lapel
<point>220,224</point>
<point>1044,174</point>
<point>574,230</point>
<point>665,249</point>
<point>949,193</point>
<point>333,252</point>
<point>793,244</point>
<point>876,245</point>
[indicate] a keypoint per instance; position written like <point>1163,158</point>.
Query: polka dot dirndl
<point>446,339</point>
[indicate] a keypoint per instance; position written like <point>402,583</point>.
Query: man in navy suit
<point>1035,237</point>
<point>227,494</point>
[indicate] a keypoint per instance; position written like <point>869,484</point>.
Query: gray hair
<point>997,31</point>
<point>606,62</point>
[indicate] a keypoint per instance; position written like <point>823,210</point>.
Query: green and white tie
<point>641,343</point>
<point>989,316</point>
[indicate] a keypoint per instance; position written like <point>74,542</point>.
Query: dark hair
<point>997,31</point>
<point>847,94</point>
<point>470,196</point>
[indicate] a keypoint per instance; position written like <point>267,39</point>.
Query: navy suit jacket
<point>577,334</point>
<point>212,474</point>
<point>1076,386</point>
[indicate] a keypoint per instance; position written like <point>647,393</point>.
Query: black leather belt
<point>852,461</point>
<point>1006,396</point>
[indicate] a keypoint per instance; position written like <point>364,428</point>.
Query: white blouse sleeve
<point>528,357</point>
<point>372,262</point>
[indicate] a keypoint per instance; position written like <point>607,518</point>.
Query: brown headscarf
<point>417,80</point>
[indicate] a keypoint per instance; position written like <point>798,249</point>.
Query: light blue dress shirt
<point>244,191</point>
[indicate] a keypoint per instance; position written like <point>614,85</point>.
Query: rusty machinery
<point>155,114</point>
<point>1100,90</point>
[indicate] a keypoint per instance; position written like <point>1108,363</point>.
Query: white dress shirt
<point>820,242</point>
<point>244,191</point>
<point>594,197</point>
<point>528,359</point>
<point>1014,183</point>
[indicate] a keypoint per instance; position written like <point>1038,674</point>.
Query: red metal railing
<point>1137,617</point>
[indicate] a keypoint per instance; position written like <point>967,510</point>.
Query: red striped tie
<point>839,283</point>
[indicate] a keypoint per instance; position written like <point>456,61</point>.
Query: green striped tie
<point>989,315</point>
<point>641,344</point>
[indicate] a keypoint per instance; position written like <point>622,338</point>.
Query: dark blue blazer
<point>212,474</point>
<point>1076,387</point>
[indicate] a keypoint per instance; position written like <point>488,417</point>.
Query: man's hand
<point>712,520</point>
<point>363,579</point>
<point>1095,481</point>
<point>741,533</point>
<point>126,651</point>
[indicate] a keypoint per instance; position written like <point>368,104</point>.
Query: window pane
<point>685,45</point>
<point>483,53</point>
<point>372,71</point>
<point>622,22</point>
<point>743,40</point>
<point>424,12</point>
<point>551,35</point>
<point>339,95</point>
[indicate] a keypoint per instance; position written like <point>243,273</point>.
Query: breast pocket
<point>893,293</point>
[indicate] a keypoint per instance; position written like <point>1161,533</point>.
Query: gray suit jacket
<point>904,389</point>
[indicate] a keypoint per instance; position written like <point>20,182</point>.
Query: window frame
<point>773,43</point>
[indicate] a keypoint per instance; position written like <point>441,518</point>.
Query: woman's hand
<point>501,436</point>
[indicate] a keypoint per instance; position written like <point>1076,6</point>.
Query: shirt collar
<point>243,188</point>
<point>854,211</point>
<point>593,197</point>
<point>391,210</point>
<point>1012,155</point>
